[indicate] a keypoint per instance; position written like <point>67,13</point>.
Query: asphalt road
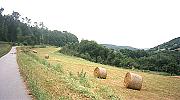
<point>12,86</point>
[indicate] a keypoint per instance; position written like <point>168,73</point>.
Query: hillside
<point>170,45</point>
<point>139,59</point>
<point>63,77</point>
<point>115,47</point>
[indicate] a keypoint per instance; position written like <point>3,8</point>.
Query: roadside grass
<point>71,78</point>
<point>49,81</point>
<point>4,48</point>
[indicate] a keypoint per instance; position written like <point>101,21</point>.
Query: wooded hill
<point>16,29</point>
<point>115,47</point>
<point>170,45</point>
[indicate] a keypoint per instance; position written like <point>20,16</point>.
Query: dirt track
<point>11,84</point>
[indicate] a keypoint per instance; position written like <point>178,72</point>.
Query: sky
<point>136,23</point>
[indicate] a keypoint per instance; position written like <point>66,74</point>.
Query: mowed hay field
<point>66,77</point>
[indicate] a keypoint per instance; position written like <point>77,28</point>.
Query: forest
<point>21,30</point>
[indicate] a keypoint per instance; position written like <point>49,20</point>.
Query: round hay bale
<point>34,51</point>
<point>100,72</point>
<point>46,56</point>
<point>133,81</point>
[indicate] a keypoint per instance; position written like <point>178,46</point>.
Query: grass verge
<point>4,48</point>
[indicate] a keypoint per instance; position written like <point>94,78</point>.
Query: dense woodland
<point>161,61</point>
<point>16,29</point>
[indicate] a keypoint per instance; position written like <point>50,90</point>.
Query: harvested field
<point>155,87</point>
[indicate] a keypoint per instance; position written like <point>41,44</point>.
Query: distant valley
<point>115,47</point>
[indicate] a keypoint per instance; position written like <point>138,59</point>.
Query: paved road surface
<point>11,84</point>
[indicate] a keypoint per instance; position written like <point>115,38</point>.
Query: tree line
<point>15,29</point>
<point>162,61</point>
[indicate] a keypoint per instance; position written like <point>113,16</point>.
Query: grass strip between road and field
<point>4,48</point>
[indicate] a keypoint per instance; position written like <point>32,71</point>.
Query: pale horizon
<point>140,23</point>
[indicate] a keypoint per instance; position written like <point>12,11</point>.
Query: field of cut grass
<point>65,77</point>
<point>4,48</point>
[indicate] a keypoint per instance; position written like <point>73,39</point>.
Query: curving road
<point>11,84</point>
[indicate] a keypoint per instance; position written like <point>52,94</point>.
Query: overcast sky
<point>137,23</point>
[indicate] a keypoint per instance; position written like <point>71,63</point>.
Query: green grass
<point>64,77</point>
<point>4,48</point>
